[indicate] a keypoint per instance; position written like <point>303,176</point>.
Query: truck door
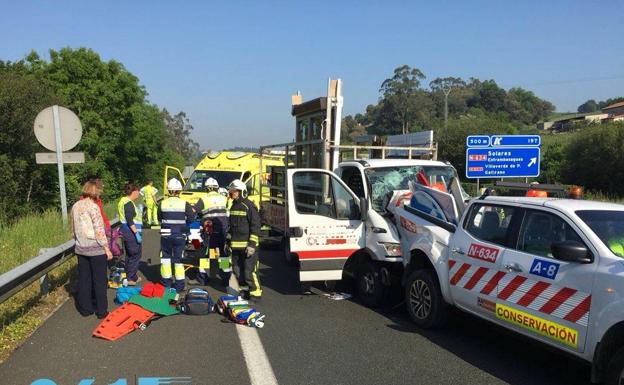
<point>172,172</point>
<point>546,298</point>
<point>475,253</point>
<point>324,223</point>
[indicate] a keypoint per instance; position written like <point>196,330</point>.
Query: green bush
<point>594,159</point>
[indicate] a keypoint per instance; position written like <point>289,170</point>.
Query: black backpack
<point>197,302</point>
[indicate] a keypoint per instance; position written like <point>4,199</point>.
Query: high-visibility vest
<point>215,205</point>
<point>122,215</point>
<point>148,193</point>
<point>173,220</point>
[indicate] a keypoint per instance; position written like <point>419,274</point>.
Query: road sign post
<point>58,129</point>
<point>59,161</point>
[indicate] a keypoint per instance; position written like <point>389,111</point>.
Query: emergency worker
<point>148,192</point>
<point>243,240</point>
<point>131,222</point>
<point>174,215</point>
<point>212,209</point>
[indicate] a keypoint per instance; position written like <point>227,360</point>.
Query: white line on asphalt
<point>258,365</point>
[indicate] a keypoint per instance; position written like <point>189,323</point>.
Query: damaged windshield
<point>383,180</point>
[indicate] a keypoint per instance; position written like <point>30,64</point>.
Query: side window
<point>490,222</point>
<point>252,185</point>
<point>316,193</point>
<point>540,230</point>
<point>353,178</point>
<point>346,207</point>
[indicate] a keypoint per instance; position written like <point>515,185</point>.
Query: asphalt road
<point>307,339</point>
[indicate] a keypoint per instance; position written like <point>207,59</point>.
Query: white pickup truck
<point>550,269</point>
<point>338,222</point>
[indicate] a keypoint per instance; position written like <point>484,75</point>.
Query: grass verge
<point>23,313</point>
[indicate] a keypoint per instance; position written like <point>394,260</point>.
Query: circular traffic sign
<point>71,128</point>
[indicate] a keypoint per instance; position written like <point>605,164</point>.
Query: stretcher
<point>123,320</point>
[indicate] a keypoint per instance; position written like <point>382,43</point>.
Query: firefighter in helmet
<point>213,211</point>
<point>243,238</point>
<point>174,215</point>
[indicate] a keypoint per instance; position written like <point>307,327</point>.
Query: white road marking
<point>258,365</point>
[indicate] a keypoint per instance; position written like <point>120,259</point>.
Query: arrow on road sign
<point>532,162</point>
<point>497,141</point>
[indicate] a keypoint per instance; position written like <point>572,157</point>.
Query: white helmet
<point>211,183</point>
<point>174,185</point>
<point>223,191</point>
<point>237,184</point>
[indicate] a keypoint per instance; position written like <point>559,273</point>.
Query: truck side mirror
<point>571,251</point>
<point>363,209</point>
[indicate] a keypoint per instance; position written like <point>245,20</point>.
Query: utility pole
<point>447,91</point>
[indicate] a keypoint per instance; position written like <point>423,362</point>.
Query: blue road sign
<point>507,162</point>
<point>515,141</point>
<point>478,141</point>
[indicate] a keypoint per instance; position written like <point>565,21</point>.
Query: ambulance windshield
<point>383,180</point>
<point>196,182</point>
<point>608,226</point>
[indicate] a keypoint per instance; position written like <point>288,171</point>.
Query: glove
<point>250,251</point>
<point>138,237</point>
<point>227,249</point>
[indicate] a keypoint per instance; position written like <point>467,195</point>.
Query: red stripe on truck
<point>317,254</point>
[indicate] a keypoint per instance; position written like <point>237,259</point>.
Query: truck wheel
<point>289,257</point>
<point>615,370</point>
<point>369,287</point>
<point>424,300</point>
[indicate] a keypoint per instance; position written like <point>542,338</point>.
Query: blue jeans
<point>172,247</point>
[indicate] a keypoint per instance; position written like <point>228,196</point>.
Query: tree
<point>352,128</point>
<point>588,106</point>
<point>487,96</point>
<point>594,158</point>
<point>524,106</point>
<point>610,101</point>
<point>179,128</point>
<point>124,137</point>
<point>446,85</point>
<point>400,95</point>
<point>24,185</point>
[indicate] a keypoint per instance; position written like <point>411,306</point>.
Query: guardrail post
<point>44,285</point>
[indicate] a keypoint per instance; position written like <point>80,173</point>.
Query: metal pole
<point>59,162</point>
<point>446,94</point>
<point>478,190</point>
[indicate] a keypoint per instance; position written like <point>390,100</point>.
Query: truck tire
<point>424,300</point>
<point>615,370</point>
<point>369,286</point>
<point>290,258</point>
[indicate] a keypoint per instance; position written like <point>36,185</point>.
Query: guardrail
<point>37,268</point>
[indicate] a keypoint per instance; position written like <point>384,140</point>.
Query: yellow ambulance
<point>225,166</point>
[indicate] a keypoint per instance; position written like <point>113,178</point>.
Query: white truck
<point>550,269</point>
<point>331,213</point>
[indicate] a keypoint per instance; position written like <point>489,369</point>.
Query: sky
<point>232,65</point>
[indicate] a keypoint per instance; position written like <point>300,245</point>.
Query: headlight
<point>392,249</point>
